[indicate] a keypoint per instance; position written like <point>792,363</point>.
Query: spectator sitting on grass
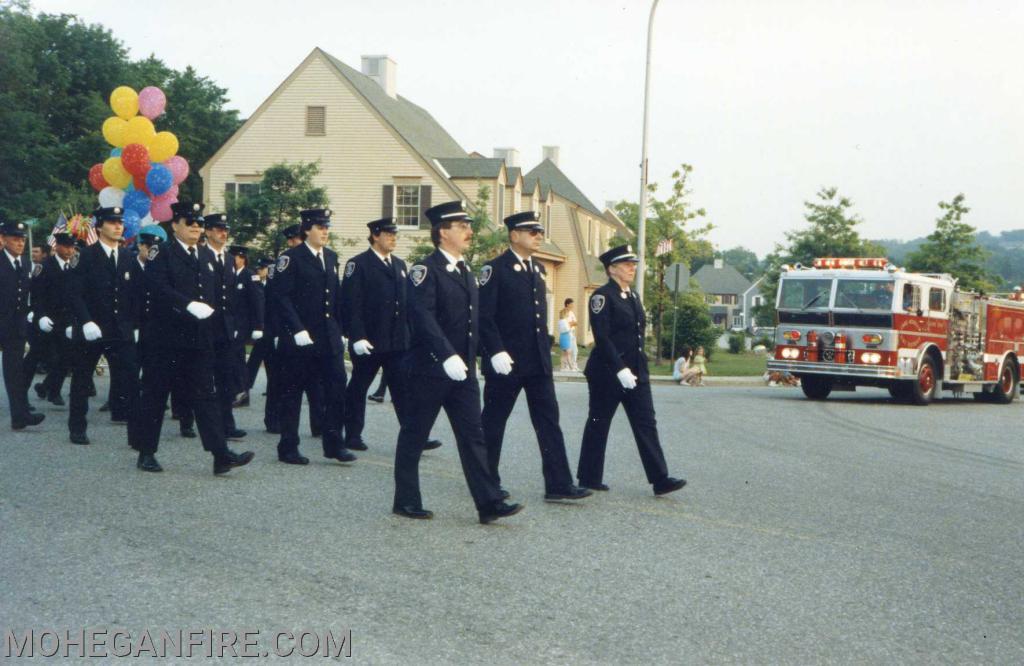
<point>698,362</point>
<point>682,372</point>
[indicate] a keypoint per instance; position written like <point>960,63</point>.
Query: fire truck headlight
<point>789,352</point>
<point>871,357</point>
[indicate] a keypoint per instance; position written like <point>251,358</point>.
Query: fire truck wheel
<point>816,388</point>
<point>1009,384</point>
<point>924,389</point>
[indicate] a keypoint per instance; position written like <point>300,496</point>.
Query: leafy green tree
<point>489,238</point>
<point>668,219</point>
<point>693,325</point>
<point>284,189</point>
<point>832,232</point>
<point>953,248</point>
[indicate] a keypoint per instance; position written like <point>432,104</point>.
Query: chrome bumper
<point>835,369</point>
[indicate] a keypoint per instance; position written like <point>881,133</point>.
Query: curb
<point>561,376</point>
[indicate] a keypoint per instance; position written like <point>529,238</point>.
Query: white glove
<point>344,341</point>
<point>256,335</point>
<point>30,316</point>
<point>502,363</point>
<point>362,347</point>
<point>199,310</point>
<point>626,378</point>
<point>275,343</point>
<point>67,332</point>
<point>135,334</point>
<point>45,324</point>
<point>91,331</point>
<point>455,368</point>
<point>302,339</point>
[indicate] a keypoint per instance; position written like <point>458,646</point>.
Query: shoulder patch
<point>418,274</point>
<point>350,268</point>
<point>270,271</point>
<point>597,303</point>
<point>36,269</point>
<point>153,251</point>
<point>485,274</point>
<point>282,263</point>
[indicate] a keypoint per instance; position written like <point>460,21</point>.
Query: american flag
<point>83,229</point>
<point>664,247</point>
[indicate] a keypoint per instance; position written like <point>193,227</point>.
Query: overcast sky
<point>900,104</point>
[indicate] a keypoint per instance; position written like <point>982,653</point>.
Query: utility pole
<point>642,220</point>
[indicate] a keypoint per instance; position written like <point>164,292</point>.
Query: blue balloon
<point>159,179</point>
<point>116,152</point>
<point>137,202</point>
<point>131,221</point>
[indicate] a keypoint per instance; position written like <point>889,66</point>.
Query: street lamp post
<point>641,239</point>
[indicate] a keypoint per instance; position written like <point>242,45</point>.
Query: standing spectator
<point>567,336</point>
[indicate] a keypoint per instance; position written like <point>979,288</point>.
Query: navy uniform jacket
<point>618,324</point>
<point>143,297</point>
<point>444,312</point>
<point>375,302</point>
<point>247,307</point>
<point>50,294</point>
<point>269,312</point>
<point>175,280</point>
<point>223,324</point>
<point>305,298</point>
<point>104,295</point>
<point>14,298</point>
<point>514,316</point>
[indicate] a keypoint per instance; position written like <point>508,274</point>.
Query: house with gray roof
<point>723,287</point>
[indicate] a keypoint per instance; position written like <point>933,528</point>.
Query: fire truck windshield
<point>864,294</point>
<point>805,293</point>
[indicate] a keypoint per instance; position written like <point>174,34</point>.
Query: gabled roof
<point>413,123</point>
<point>512,174</point>
<point>472,167</point>
<point>530,184</point>
<point>550,176</point>
<point>724,280</point>
<point>617,222</point>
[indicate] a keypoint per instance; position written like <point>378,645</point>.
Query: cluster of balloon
<point>144,170</point>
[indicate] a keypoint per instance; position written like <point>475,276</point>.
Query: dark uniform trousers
<point>364,369</point>
<point>225,375</point>
<point>639,406</point>
<point>258,355</point>
<point>500,394</point>
<point>14,373</point>
<point>313,388</point>
<point>300,372</point>
<point>124,381</point>
<point>461,402</point>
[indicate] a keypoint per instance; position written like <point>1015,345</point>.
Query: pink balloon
<point>152,102</point>
<point>161,208</point>
<point>179,168</point>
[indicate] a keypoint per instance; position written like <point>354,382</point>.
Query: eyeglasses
<point>536,232</point>
<point>461,225</point>
<point>193,223</point>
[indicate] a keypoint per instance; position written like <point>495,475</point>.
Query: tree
<point>284,189</point>
<point>832,233</point>
<point>953,248</point>
<point>667,220</point>
<point>489,239</point>
<point>693,325</point>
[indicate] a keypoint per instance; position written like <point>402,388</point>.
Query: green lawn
<point>722,364</point>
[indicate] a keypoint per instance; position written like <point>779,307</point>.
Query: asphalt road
<point>850,531</point>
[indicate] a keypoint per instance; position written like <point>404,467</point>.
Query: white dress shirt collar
<point>452,260</point>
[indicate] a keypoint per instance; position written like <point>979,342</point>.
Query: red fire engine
<point>851,322</point>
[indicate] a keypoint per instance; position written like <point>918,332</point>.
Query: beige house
<point>381,155</point>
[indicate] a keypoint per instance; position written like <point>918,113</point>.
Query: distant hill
<point>1006,258</point>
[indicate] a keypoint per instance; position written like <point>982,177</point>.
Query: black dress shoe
<point>499,510</point>
<point>668,485</point>
<point>432,444</point>
<point>377,398</point>
<point>147,463</point>
<point>56,400</point>
<point>33,418</point>
<point>505,494</point>
<point>293,459</point>
<point>40,390</point>
<point>234,434</point>
<point>79,438</point>
<point>188,431</point>
<point>594,486</point>
<point>355,445</point>
<point>570,493</point>
<point>412,512</point>
<point>105,407</point>
<point>343,455</point>
<point>229,460</point>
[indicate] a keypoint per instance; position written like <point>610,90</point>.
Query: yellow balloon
<point>125,102</point>
<point>139,130</point>
<point>114,173</point>
<point>163,147</point>
<point>113,131</point>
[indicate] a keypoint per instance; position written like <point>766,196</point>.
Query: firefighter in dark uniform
<point>53,314</point>
<point>103,302</point>
<point>41,349</point>
<point>261,348</point>
<point>441,364</point>
<point>516,353</point>
<point>14,323</point>
<point>149,237</point>
<point>309,331</point>
<point>247,309</point>
<point>374,304</point>
<point>617,373</point>
<point>225,330</point>
<point>178,341</point>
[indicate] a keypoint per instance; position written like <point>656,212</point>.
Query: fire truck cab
<point>850,322</point>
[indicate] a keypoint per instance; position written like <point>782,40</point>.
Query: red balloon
<point>96,178</point>
<point>140,183</point>
<point>135,159</point>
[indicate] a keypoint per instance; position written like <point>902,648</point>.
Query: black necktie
<point>220,262</point>
<point>112,262</point>
<point>65,266</point>
<point>320,260</point>
<point>17,265</point>
<point>463,270</point>
<point>387,261</point>
<point>192,254</point>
